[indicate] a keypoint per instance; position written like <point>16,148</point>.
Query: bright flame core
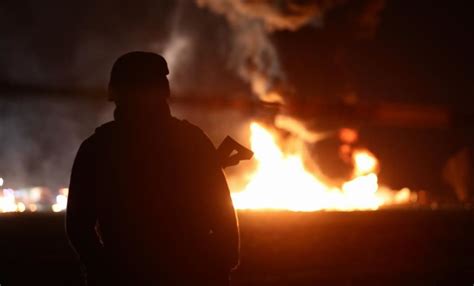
<point>282,182</point>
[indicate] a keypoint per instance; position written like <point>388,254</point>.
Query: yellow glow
<point>20,207</point>
<point>282,182</point>
<point>364,162</point>
<point>64,191</point>
<point>61,201</point>
<point>32,207</point>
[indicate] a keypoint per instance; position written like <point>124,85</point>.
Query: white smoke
<point>254,56</point>
<point>178,49</point>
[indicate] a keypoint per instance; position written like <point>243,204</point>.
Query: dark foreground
<point>396,247</point>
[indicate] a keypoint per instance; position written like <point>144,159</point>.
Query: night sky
<point>421,51</point>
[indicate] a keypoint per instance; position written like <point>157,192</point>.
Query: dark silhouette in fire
<point>148,202</point>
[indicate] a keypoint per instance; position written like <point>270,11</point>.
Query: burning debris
<point>282,178</point>
<point>282,181</point>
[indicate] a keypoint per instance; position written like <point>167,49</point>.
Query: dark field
<point>392,247</point>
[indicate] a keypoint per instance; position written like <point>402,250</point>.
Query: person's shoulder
<point>101,134</point>
<point>105,129</point>
<point>191,129</point>
<point>195,136</point>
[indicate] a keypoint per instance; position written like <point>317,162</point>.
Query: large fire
<point>282,182</point>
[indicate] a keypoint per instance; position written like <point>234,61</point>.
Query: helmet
<point>137,70</point>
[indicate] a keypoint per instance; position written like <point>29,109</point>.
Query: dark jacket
<point>148,198</point>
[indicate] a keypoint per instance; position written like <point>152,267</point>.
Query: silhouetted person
<point>148,201</point>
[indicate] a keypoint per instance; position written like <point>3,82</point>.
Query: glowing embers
<point>281,181</point>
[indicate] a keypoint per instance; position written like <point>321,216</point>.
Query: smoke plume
<point>254,56</point>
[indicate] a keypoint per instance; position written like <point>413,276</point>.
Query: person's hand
<point>230,152</point>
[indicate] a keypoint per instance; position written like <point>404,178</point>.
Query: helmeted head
<point>139,76</point>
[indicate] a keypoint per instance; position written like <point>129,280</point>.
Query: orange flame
<point>282,182</point>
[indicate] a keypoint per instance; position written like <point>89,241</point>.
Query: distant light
<point>7,201</point>
<point>35,194</point>
<point>32,207</point>
<point>64,191</point>
<point>61,201</point>
<point>20,207</point>
<point>1,182</point>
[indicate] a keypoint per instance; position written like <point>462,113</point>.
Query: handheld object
<point>230,152</point>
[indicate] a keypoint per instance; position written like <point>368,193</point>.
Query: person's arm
<point>81,213</point>
<point>225,226</point>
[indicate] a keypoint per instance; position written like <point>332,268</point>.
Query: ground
<point>391,247</point>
